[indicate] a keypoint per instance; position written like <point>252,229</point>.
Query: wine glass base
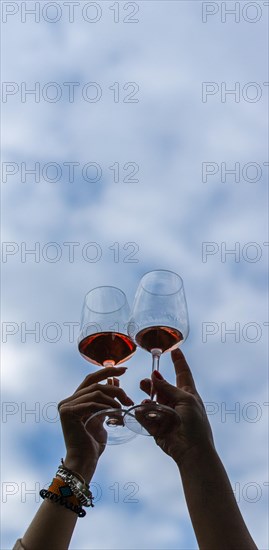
<point>113,422</point>
<point>151,419</point>
<point>109,428</point>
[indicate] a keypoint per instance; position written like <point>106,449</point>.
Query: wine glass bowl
<point>103,338</point>
<point>103,341</point>
<point>159,302</point>
<point>158,323</point>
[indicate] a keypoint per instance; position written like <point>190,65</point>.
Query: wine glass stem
<point>106,364</point>
<point>112,420</point>
<point>156,353</point>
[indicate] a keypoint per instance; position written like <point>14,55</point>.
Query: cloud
<point>167,215</point>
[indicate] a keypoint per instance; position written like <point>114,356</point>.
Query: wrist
<point>84,468</point>
<point>196,456</point>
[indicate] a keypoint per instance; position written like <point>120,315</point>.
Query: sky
<point>143,145</point>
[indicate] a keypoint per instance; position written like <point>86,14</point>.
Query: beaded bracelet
<point>80,490</point>
<point>58,498</point>
<point>77,484</point>
<point>69,489</point>
<point>59,487</point>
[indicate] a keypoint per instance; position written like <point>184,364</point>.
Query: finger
<point>75,413</point>
<point>108,390</point>
<point>145,385</point>
<point>118,393</point>
<point>100,375</point>
<point>166,393</point>
<point>94,397</point>
<point>100,390</point>
<point>149,424</point>
<point>184,378</point>
<point>149,418</point>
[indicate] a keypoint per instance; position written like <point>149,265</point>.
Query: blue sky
<point>161,221</point>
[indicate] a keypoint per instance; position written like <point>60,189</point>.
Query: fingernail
<point>158,375</point>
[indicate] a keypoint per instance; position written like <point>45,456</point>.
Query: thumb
<point>166,393</point>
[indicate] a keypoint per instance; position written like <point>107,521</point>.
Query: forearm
<point>53,524</point>
<point>52,527</point>
<point>214,513</point>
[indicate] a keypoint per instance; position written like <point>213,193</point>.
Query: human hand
<point>192,429</point>
<point>85,444</point>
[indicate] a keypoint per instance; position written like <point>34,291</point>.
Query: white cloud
<point>169,213</point>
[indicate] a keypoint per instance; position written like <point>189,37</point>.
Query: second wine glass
<point>159,323</point>
<point>103,340</point>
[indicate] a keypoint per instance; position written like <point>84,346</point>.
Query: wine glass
<point>159,323</point>
<point>103,340</point>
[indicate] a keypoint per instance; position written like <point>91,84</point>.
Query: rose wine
<point>164,338</point>
<point>107,346</point>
